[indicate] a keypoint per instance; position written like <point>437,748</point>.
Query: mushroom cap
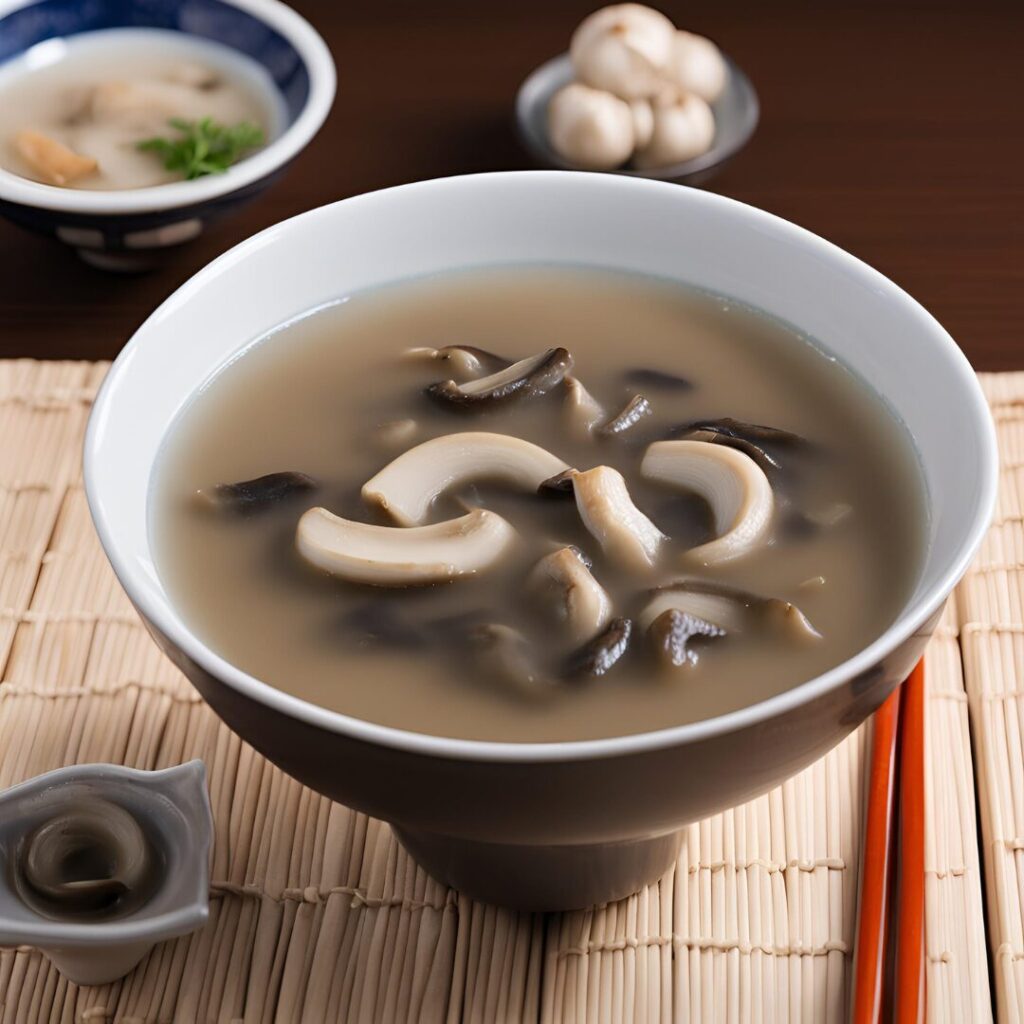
<point>590,128</point>
<point>735,487</point>
<point>624,49</point>
<point>697,66</point>
<point>390,556</point>
<point>407,487</point>
<point>625,534</point>
<point>684,128</point>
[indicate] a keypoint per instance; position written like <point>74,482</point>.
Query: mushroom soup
<point>536,504</point>
<point>131,108</point>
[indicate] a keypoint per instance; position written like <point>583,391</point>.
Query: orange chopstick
<point>876,869</point>
<point>909,987</point>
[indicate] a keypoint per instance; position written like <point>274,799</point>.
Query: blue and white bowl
<point>126,229</point>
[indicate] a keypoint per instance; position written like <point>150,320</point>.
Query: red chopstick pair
<point>889,960</point>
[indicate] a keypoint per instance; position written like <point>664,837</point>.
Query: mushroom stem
<point>407,487</point>
<point>390,556</point>
<point>734,486</point>
<point>583,604</point>
<point>583,412</point>
<point>625,534</point>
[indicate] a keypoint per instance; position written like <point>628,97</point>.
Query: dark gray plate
<point>736,116</point>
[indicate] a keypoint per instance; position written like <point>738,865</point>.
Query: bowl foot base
<point>542,878</point>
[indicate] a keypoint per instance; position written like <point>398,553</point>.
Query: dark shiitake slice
<point>632,413</point>
<point>528,378</point>
<point>672,632</point>
<point>249,496</point>
<point>599,656</point>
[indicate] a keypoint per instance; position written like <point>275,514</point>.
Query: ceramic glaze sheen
<point>312,397</point>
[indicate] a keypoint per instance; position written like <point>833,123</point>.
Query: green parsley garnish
<point>204,147</point>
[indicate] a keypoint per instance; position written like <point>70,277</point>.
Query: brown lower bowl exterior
<point>554,834</point>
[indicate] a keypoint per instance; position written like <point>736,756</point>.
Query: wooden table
<point>894,129</point>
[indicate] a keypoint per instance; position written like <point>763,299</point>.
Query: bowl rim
<point>910,621</point>
<point>537,146</point>
<point>322,83</point>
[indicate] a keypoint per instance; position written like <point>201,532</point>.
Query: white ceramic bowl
<point>555,824</point>
<point>128,229</point>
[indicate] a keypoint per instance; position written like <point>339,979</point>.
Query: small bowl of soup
<point>125,129</point>
<point>541,514</point>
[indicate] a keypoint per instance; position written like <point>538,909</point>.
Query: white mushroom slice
<point>730,609</point>
<point>583,603</point>
<point>623,48</point>
<point>533,375</point>
<point>466,361</point>
<point>734,486</point>
<point>583,412</point>
<point>395,434</point>
<point>407,487</point>
<point>389,556</point>
<point>625,534</point>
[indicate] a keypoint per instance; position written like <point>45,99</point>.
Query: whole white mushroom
<point>590,128</point>
<point>684,127</point>
<point>625,49</point>
<point>697,66</point>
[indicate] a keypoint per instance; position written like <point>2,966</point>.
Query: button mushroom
<point>390,556</point>
<point>534,375</point>
<point>583,412</point>
<point>589,128</point>
<point>580,601</point>
<point>733,485</point>
<point>625,534</point>
<point>407,487</point>
<point>697,66</point>
<point>623,48</point>
<point>249,496</point>
<point>684,128</point>
<point>466,361</point>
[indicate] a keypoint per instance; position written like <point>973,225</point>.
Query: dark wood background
<point>894,129</point>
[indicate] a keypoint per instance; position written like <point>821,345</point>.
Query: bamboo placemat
<point>317,914</point>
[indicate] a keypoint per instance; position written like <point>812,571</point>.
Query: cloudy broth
<point>842,547</point>
<point>101,93</point>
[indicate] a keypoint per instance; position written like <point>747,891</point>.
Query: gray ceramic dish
<point>173,807</point>
<point>737,112</point>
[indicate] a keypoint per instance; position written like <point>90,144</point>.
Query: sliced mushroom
<point>729,608</point>
<point>466,361</point>
<point>54,162</point>
<point>760,455</point>
<point>625,534</point>
<point>599,656</point>
<point>734,486</point>
<point>532,376</point>
<point>407,487</point>
<point>395,434</point>
<point>671,634</point>
<point>390,556</point>
<point>656,380</point>
<point>632,413</point>
<point>583,412</point>
<point>581,602</point>
<point>249,496</point>
<point>752,439</point>
<point>507,656</point>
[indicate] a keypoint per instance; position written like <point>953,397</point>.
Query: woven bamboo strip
<point>317,914</point>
